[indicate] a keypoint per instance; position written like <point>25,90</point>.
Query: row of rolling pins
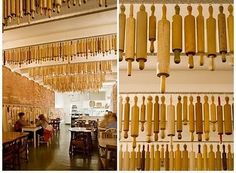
<point>65,69</point>
<point>133,37</point>
<point>75,83</point>
<point>158,158</point>
<point>17,9</point>
<point>165,119</point>
<point>64,50</point>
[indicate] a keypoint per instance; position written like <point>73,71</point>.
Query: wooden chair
<point>9,157</point>
<point>23,149</point>
<point>111,133</point>
<point>46,138</point>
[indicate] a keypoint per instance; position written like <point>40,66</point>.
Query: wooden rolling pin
<point>185,110</point>
<point>179,118</point>
<point>132,160</point>
<point>121,158</point>
<point>211,161</point>
<point>163,117</point>
<point>157,165</point>
<point>200,35</point>
<point>177,34</point>
<point>199,159</point>
<point>185,158</point>
<point>227,117</point>
<point>224,159</point>
<point>218,159</point>
<point>152,158</point>
<point>220,120</point>
<point>141,40</point>
<point>211,38</point>
<point>178,162</point>
<point>135,121</point>
<point>190,43</point>
<point>130,40</point>
<point>143,159</point>
<point>120,113</point>
<point>230,162</point>
<point>162,156</point>
<point>230,24</point>
<point>167,159</point>
<point>191,118</point>
<point>138,158</point>
<point>149,118</point>
<point>143,113</point>
<point>152,28</point>
<point>171,120</point>
<point>126,159</point>
<point>122,22</point>
<point>172,162</point>
<point>199,123</point>
<point>126,117</point>
<point>163,49</point>
<point>156,118</point>
<point>58,5</point>
<point>213,113</point>
<point>206,118</point>
<point>222,33</point>
<point>147,159</point>
<point>205,160</point>
<point>192,160</point>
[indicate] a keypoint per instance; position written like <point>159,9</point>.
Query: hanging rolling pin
<point>179,126</point>
<point>211,38</point>
<point>162,156</point>
<point>224,159</point>
<point>156,118</point>
<point>218,159</point>
<point>200,35</point>
<point>199,159</point>
<point>143,159</point>
<point>149,118</point>
<point>147,159</point>
<point>157,165</point>
<point>213,113</point>
<point>141,40</point>
<point>230,162</point>
<point>122,22</point>
<point>199,126</point>
<point>172,163</point>
<point>163,117</point>
<point>126,159</point>
<point>177,34</point>
<point>190,43</point>
<point>152,28</point>
<point>163,49</point>
<point>120,113</point>
<point>126,118</point>
<point>120,158</point>
<point>227,117</point>
<point>222,33</point>
<point>230,23</point>
<point>206,118</point>
<point>205,161</point>
<point>211,160</point>
<point>185,158</point>
<point>167,159</point>
<point>143,113</point>
<point>192,160</point>
<point>185,110</point>
<point>220,119</point>
<point>132,160</point>
<point>130,40</point>
<point>191,118</point>
<point>152,158</point>
<point>171,120</point>
<point>138,158</point>
<point>135,121</point>
<point>178,162</point>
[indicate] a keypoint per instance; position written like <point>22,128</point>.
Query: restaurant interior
<point>59,85</point>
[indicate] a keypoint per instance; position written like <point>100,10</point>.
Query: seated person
<point>46,128</point>
<point>20,122</point>
<point>112,121</point>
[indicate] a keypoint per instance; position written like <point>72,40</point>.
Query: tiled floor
<point>56,157</point>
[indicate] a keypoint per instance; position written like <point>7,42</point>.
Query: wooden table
<point>12,136</point>
<point>34,129</point>
<point>80,129</point>
<point>103,142</point>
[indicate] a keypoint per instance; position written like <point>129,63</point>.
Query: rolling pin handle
<point>141,64</point>
<point>49,13</point>
<point>152,47</point>
<point>134,142</point>
<point>58,9</point>
<point>125,134</point>
<point>156,137</point>
<point>177,56</point>
<point>162,134</point>
<point>199,137</point>
<point>28,19</point>
<point>220,138</point>
<point>33,14</point>
<point>192,137</point>
<point>129,67</point>
<point>148,139</point>
<point>190,61</point>
<point>207,136</point>
<point>163,83</point>
<point>214,127</point>
<point>201,59</point>
<point>211,63</point>
<point>223,57</point>
<point>120,56</point>
<point>142,127</point>
<point>179,135</point>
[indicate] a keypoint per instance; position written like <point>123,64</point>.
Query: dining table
<point>8,137</point>
<point>32,128</point>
